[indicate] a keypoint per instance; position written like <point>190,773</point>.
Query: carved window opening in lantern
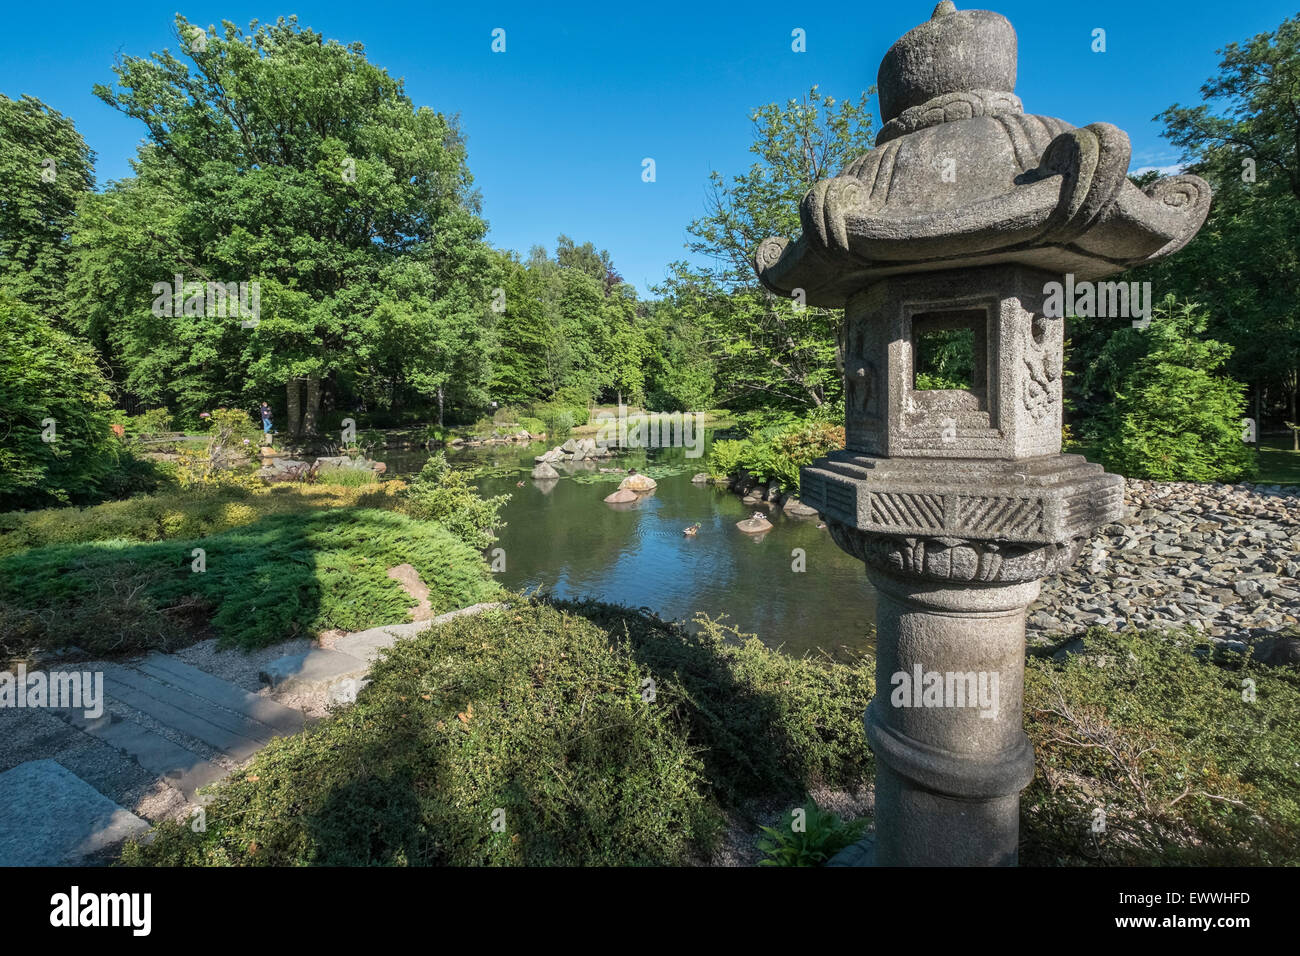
<point>955,408</point>
<point>944,352</point>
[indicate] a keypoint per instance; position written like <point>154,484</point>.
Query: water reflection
<point>561,536</point>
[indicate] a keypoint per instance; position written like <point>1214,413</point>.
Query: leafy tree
<point>628,348</point>
<point>55,443</point>
<point>521,370</point>
<point>769,351</point>
<point>1245,264</point>
<point>680,370</point>
<point>1174,417</point>
<point>46,168</point>
<point>571,330</point>
<point>298,164</point>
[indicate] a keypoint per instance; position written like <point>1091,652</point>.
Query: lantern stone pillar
<point>959,501</point>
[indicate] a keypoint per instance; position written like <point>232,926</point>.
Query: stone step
<point>366,645</point>
<point>51,817</point>
<point>231,733</point>
<point>163,667</point>
<point>183,769</point>
<point>312,672</point>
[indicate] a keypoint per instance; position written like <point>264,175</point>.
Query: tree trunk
<point>311,409</point>
<point>293,403</point>
<point>1259,420</point>
<point>441,400</point>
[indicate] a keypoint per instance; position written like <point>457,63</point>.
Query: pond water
<point>561,537</point>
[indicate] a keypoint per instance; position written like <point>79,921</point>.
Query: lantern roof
<point>962,176</point>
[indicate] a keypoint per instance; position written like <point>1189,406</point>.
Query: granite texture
<point>962,176</point>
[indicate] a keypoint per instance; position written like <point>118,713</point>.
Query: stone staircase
<point>167,730</point>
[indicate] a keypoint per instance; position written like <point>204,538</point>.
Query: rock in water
<point>544,471</point>
<point>620,497</point>
<point>638,483</point>
<point>755,524</point>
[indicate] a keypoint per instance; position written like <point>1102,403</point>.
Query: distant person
<point>266,419</point>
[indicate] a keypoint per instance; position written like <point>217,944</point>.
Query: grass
<point>282,576</point>
<point>594,735</point>
<point>1278,463</point>
<point>348,478</point>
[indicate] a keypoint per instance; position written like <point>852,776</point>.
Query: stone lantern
<point>958,500</point>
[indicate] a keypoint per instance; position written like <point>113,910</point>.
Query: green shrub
<point>557,422</point>
<point>1174,418</point>
<point>281,577</point>
<point>544,712</point>
<point>809,839</point>
<point>777,452</point>
<point>47,374</point>
<point>440,493</point>
<point>155,421</point>
<point>725,456</point>
<point>610,737</point>
<point>534,426</point>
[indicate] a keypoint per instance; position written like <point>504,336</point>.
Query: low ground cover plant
<point>192,513</point>
<point>254,585</point>
<point>594,734</point>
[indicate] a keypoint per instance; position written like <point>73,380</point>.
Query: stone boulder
<point>754,524</point>
<point>621,497</point>
<point>793,506</point>
<point>544,471</point>
<point>569,447</point>
<point>638,483</point>
<point>699,479</point>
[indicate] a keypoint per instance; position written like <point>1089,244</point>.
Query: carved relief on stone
<point>949,108</point>
<point>863,387</point>
<point>955,559</point>
<point>1041,391</point>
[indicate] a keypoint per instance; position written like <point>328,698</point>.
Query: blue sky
<point>558,125</point>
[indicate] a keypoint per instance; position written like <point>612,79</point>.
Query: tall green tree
<point>300,165</point>
<point>55,442</point>
<point>1244,267</point>
<point>769,351</point>
<point>46,169</point>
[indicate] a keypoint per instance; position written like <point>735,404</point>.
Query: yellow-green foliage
<point>776,453</point>
<point>192,513</point>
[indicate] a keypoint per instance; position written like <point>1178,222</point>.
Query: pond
<point>562,538</point>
